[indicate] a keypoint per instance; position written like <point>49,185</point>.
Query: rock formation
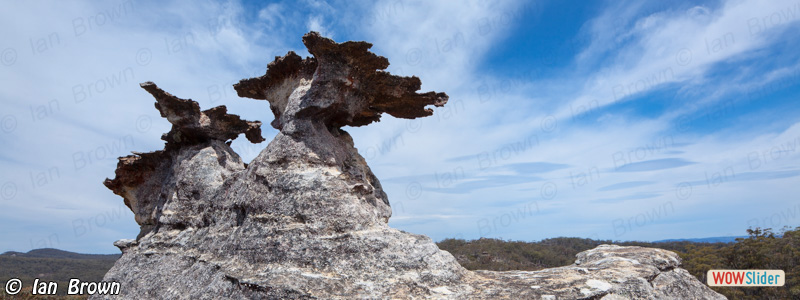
<point>307,218</point>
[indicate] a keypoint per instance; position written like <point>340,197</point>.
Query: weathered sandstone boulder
<point>307,218</point>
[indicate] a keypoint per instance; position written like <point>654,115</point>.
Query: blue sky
<point>612,120</point>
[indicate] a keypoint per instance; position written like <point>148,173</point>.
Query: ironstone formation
<point>307,218</point>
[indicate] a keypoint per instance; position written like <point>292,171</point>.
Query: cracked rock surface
<point>307,218</point>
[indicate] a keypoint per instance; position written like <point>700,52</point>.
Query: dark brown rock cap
<point>345,85</point>
<point>190,126</point>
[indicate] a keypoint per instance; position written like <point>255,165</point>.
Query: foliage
<point>763,249</point>
<point>499,255</point>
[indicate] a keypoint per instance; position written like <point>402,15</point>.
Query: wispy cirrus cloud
<point>685,109</point>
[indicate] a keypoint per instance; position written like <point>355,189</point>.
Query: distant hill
<point>483,254</point>
<point>717,239</point>
<point>53,265</point>
<point>55,253</point>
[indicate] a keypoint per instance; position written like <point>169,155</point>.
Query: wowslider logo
<point>746,277</point>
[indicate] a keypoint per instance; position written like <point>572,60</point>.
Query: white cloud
<point>675,46</point>
<point>75,103</point>
<point>315,23</point>
<point>647,49</point>
<point>199,51</point>
<point>272,14</point>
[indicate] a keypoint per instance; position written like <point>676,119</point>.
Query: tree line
<point>761,249</point>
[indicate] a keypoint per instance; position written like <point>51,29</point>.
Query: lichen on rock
<point>307,218</point>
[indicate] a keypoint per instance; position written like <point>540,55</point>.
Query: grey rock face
<point>307,218</point>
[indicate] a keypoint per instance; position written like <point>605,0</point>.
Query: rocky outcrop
<point>307,218</point>
<point>343,84</point>
<point>607,272</point>
<point>161,187</point>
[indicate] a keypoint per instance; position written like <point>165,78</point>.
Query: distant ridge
<point>55,253</point>
<point>717,239</point>
<point>52,265</point>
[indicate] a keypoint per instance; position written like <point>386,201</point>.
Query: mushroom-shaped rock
<point>145,179</point>
<point>307,218</point>
<point>343,84</point>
